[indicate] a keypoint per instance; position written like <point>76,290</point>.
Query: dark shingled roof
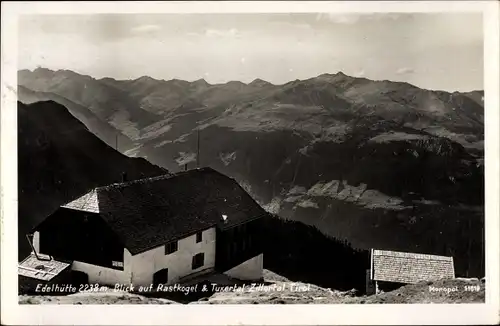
<point>411,268</point>
<point>150,212</point>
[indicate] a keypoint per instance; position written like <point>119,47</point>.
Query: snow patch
<point>227,158</point>
<point>185,158</point>
<point>133,152</point>
<point>396,136</point>
<point>155,130</point>
<point>297,190</point>
<point>273,206</point>
<point>293,199</point>
<point>181,139</point>
<point>160,144</point>
<point>307,204</point>
<point>360,195</point>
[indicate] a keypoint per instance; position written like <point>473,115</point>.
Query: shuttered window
<point>171,247</point>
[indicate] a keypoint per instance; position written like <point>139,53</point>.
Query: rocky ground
<point>108,297</point>
<point>279,290</point>
<point>464,291</point>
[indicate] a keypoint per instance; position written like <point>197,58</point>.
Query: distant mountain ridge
<point>48,72</point>
<point>106,102</point>
<point>379,163</point>
<point>100,128</point>
<point>140,98</point>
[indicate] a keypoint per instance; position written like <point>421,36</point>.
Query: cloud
<point>339,18</point>
<point>145,28</point>
<point>349,19</point>
<point>405,71</point>
<point>233,32</point>
<point>360,73</point>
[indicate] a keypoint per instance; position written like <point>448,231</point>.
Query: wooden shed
<point>392,269</point>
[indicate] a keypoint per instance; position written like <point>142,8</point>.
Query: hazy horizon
<point>222,83</point>
<point>429,50</point>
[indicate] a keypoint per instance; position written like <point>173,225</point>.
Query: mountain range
<point>377,163</point>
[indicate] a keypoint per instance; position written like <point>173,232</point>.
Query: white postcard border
<point>13,313</point>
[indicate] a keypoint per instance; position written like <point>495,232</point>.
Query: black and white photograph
<point>251,158</point>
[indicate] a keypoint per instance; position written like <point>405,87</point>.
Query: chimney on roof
<point>124,177</point>
<point>185,167</point>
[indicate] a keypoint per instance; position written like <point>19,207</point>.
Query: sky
<point>441,51</point>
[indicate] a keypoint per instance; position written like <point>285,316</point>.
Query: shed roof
<point>406,267</point>
<point>44,270</point>
<point>150,212</point>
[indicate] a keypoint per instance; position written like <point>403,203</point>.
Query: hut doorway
<point>160,277</point>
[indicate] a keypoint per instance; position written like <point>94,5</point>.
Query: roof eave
<point>135,252</point>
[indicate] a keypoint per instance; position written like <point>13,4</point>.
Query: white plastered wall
<point>142,266</point>
<point>102,275</point>
<point>36,241</point>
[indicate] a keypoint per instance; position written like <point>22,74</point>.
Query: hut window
<point>117,263</point>
<point>199,237</point>
<point>171,247</point>
<point>198,260</point>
